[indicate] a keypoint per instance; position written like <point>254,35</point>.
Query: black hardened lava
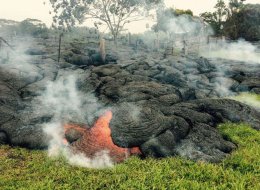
<point>166,106</point>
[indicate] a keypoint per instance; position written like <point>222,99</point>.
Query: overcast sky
<point>21,9</point>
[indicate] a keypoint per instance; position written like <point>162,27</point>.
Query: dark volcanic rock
<point>18,125</point>
<point>72,135</point>
<point>168,117</point>
<point>35,52</point>
<point>3,138</point>
<point>204,143</point>
<point>79,60</point>
<point>133,129</point>
<point>166,130</point>
<point>164,106</point>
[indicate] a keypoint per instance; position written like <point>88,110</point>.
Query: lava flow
<point>91,141</point>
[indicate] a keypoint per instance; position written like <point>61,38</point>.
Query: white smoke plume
<point>184,24</point>
<point>249,99</point>
<point>223,86</point>
<point>58,148</point>
<point>66,103</point>
<point>16,58</point>
<point>61,99</point>
<point>240,50</point>
<point>176,29</point>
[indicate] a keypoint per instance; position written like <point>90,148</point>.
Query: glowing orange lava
<point>98,138</point>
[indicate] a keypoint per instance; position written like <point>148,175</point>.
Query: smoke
<point>239,51</point>
<point>174,29</point>
<point>249,99</point>
<point>223,85</point>
<point>17,58</point>
<point>66,103</point>
<point>183,24</point>
<point>150,38</point>
<point>57,147</point>
<point>61,99</point>
<point>134,111</point>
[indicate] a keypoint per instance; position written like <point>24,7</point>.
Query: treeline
<point>235,20</point>
<point>32,27</point>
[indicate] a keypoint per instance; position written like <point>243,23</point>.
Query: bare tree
<point>113,13</point>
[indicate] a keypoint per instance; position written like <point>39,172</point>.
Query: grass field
<point>24,169</point>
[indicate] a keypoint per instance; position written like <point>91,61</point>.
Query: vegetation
<point>217,18</point>
<point>179,12</point>
<point>235,20</point>
<point>115,14</point>
<point>165,15</point>
<point>33,27</point>
<point>30,27</point>
<point>24,169</point>
<point>235,6</point>
<point>244,23</point>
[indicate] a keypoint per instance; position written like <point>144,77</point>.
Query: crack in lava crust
<point>91,141</point>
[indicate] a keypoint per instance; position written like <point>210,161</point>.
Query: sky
<point>21,9</point>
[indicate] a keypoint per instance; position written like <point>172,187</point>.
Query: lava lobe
<point>91,141</point>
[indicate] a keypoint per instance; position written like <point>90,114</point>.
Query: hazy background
<point>21,9</point>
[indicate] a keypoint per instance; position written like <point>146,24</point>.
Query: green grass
<point>24,169</point>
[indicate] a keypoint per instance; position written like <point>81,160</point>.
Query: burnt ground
<point>166,105</point>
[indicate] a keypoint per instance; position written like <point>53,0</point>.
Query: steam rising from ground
<point>64,101</point>
<point>249,99</point>
<point>57,147</point>
<point>16,58</point>
<point>175,29</point>
<point>239,51</point>
<point>183,24</point>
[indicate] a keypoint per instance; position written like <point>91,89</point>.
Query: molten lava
<point>98,138</point>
